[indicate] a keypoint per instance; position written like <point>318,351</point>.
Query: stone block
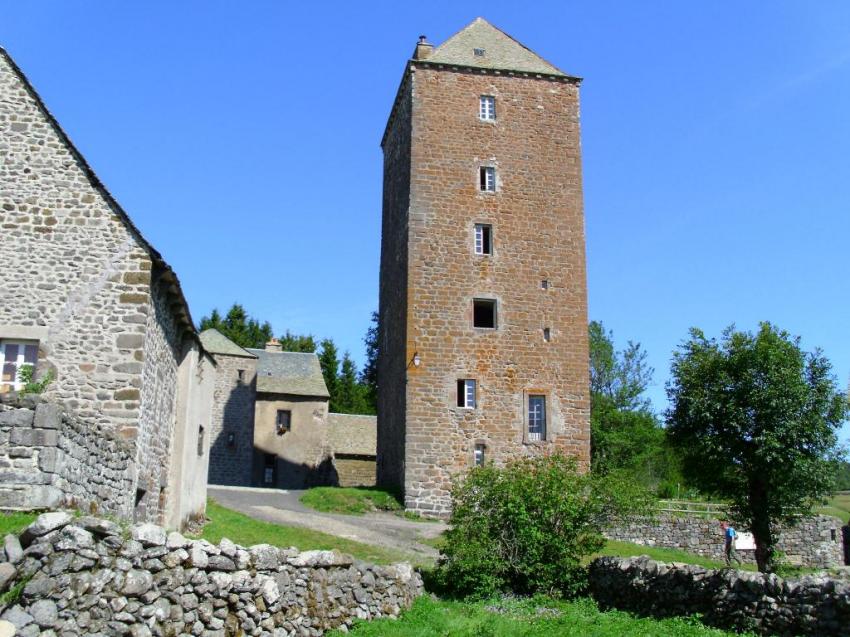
<point>50,459</point>
<point>134,299</point>
<point>48,416</point>
<point>35,437</point>
<point>17,418</point>
<point>130,341</point>
<point>31,497</point>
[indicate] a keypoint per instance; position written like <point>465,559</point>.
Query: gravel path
<point>379,529</point>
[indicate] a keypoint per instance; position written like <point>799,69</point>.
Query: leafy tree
<point>329,362</point>
<point>755,419</point>
<point>842,480</point>
<point>621,377</point>
<point>369,374</point>
<point>525,528</point>
<point>239,327</point>
<point>350,394</point>
<point>290,342</point>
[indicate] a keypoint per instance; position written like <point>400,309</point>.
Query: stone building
<point>86,299</point>
<point>483,312</point>
<point>271,426</point>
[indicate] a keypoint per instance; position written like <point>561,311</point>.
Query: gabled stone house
<point>87,299</point>
<point>271,426</point>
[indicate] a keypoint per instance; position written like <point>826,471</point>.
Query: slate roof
<point>294,373</point>
<point>353,434</point>
<point>217,343</point>
<point>501,51</point>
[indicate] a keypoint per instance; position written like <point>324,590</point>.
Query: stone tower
<point>483,300</point>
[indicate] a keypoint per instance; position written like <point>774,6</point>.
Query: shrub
<point>525,527</point>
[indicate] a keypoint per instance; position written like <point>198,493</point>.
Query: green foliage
<point>525,528</point>
<point>329,362</point>
<point>350,500</point>
<point>755,419</point>
<point>290,342</point>
<point>621,377</point>
<point>15,522</point>
<point>369,374</point>
<point>240,328</point>
<point>842,479</point>
<point>524,617</point>
<point>31,386</point>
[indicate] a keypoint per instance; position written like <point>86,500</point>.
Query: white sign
<point>745,542</point>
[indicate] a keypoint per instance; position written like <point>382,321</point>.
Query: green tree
<point>240,328</point>
<point>350,393</point>
<point>755,419</point>
<point>621,377</point>
<point>329,362</point>
<point>369,373</point>
<point>290,342</point>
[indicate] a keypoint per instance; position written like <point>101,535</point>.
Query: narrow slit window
<point>547,334</point>
<point>484,313</point>
<point>487,179</point>
<point>487,108</point>
<point>201,440</point>
<point>479,455</point>
<point>483,239</point>
<point>466,393</point>
<point>536,417</point>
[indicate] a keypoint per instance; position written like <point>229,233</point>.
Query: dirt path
<point>378,529</point>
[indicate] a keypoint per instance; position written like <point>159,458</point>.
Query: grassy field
<point>838,506</point>
<point>537,617</point>
<point>350,500</point>
<point>15,522</point>
<point>246,531</point>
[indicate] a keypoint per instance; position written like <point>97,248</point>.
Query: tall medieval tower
<point>483,299</point>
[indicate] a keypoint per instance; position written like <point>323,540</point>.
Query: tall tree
<point>350,399</point>
<point>290,342</point>
<point>369,374</point>
<point>621,377</point>
<point>240,328</point>
<point>329,362</point>
<point>756,419</point>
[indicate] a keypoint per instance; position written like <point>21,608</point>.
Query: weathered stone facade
<point>85,577</point>
<point>738,600</point>
<point>435,146</point>
<point>817,541</point>
<point>352,439</point>
<point>103,309</point>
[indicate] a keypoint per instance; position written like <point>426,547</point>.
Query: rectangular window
<point>487,179</point>
<point>466,393</point>
<point>240,375</point>
<point>284,421</point>
<point>484,313</point>
<point>536,417</point>
<point>483,239</point>
<point>479,455</point>
<point>268,468</point>
<point>14,356</point>
<point>487,108</point>
<point>547,334</point>
<point>201,440</point>
<point>479,53</point>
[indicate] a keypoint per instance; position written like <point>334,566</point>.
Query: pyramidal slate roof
<point>295,373</point>
<point>217,343</point>
<point>501,51</point>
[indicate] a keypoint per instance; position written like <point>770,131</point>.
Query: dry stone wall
<point>49,458</point>
<point>740,600</point>
<point>85,576</point>
<point>816,541</point>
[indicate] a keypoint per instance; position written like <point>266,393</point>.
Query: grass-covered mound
<point>350,500</point>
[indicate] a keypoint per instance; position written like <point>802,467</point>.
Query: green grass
<point>838,506</point>
<point>240,528</point>
<point>350,500</point>
<point>15,522</point>
<point>627,549</point>
<point>524,618</point>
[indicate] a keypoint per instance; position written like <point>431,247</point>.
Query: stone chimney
<point>423,48</point>
<point>273,346</point>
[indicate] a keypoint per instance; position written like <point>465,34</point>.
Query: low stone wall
<point>84,576</point>
<point>49,459</point>
<point>817,541</point>
<point>727,598</point>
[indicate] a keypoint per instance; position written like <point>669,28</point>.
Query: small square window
<point>479,53</point>
<point>283,422</point>
<point>240,375</point>
<point>487,179</point>
<point>15,356</point>
<point>478,455</point>
<point>466,393</point>
<point>483,239</point>
<point>544,284</point>
<point>536,417</point>
<point>484,313</point>
<point>547,334</point>
<point>487,108</point>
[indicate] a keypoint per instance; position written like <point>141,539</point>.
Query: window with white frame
<point>478,454</point>
<point>466,393</point>
<point>487,179</point>
<point>14,356</point>
<point>487,108</point>
<point>536,417</point>
<point>483,239</point>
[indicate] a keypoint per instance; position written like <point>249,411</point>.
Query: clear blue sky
<point>243,139</point>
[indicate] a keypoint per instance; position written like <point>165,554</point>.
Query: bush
<point>525,528</point>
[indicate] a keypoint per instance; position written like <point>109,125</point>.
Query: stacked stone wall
<point>355,472</point>
<point>739,600</point>
<point>816,541</point>
<point>85,576</point>
<point>49,458</point>
<point>233,413</point>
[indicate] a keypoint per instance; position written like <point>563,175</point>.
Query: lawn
<point>350,500</point>
<point>246,531</point>
<point>837,506</point>
<point>627,549</point>
<point>524,618</point>
<point>15,522</point>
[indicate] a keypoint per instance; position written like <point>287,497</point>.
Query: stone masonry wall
<point>49,459</point>
<point>816,541</point>
<point>355,472</point>
<point>537,223</point>
<point>739,600</point>
<point>85,576</point>
<point>233,413</point>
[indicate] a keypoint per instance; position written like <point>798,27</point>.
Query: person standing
<point>729,537</point>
